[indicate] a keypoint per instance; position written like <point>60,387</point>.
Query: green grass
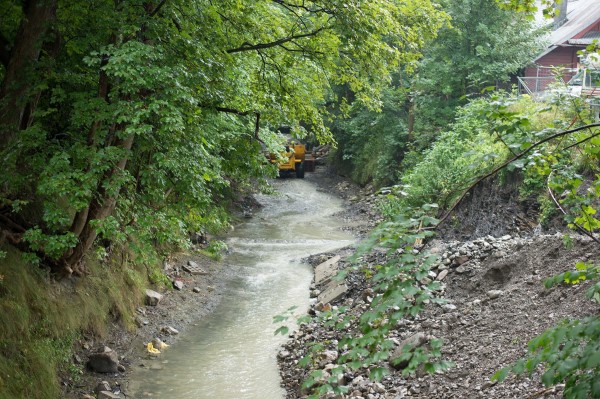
<point>41,319</point>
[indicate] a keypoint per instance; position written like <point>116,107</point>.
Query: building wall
<point>565,57</point>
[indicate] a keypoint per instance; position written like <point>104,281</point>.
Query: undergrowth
<point>41,319</point>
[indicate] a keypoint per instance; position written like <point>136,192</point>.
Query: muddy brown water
<point>231,354</point>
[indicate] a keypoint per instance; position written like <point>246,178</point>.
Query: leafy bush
<point>454,160</point>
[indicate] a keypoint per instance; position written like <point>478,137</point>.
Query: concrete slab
<point>326,270</point>
<point>333,291</point>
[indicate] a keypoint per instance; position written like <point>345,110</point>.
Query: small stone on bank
<point>493,294</point>
<point>169,330</point>
<point>102,386</point>
<point>442,275</point>
<point>107,395</point>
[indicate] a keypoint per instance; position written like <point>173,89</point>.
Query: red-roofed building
<point>577,26</point>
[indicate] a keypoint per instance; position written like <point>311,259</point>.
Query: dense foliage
<point>132,122</point>
<point>485,46</point>
<point>482,46</point>
<point>124,126</point>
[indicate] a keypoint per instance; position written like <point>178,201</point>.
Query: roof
<point>586,39</point>
<point>581,14</point>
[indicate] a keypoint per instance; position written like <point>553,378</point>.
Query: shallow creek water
<point>231,353</point>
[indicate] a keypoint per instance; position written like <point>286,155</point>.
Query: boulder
<point>153,298</point>
<point>406,346</point>
<point>178,285</point>
<point>105,360</point>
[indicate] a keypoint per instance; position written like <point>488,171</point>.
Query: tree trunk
<point>101,207</point>
<point>103,204</point>
<point>411,118</point>
<point>39,15</point>
<point>81,217</point>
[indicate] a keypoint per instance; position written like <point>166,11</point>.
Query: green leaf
<point>283,330</point>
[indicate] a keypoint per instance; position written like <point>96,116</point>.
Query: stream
<point>231,353</point>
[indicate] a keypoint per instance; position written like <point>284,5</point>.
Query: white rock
<point>493,294</point>
<point>449,307</point>
<point>153,298</point>
<point>169,330</point>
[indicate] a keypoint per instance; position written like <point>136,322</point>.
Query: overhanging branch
<point>244,113</point>
<point>260,46</point>
<point>303,6</point>
<point>505,164</point>
<point>157,8</point>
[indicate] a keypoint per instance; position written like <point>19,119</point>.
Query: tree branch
<point>303,7</point>
<point>10,223</point>
<point>157,8</point>
<point>244,113</point>
<point>505,164</point>
<point>252,47</point>
<point>582,141</point>
<point>232,111</point>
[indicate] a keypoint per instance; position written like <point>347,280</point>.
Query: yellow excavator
<point>293,160</point>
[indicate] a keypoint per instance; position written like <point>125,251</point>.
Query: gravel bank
<point>496,303</point>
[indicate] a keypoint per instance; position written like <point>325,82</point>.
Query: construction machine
<point>291,160</point>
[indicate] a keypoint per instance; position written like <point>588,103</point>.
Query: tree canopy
<point>122,119</point>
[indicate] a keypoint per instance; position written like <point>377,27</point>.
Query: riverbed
<point>231,353</point>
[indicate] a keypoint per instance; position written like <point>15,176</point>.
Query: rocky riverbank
<point>496,303</point>
<point>107,361</point>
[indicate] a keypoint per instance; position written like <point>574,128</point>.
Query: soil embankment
<point>496,303</point>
